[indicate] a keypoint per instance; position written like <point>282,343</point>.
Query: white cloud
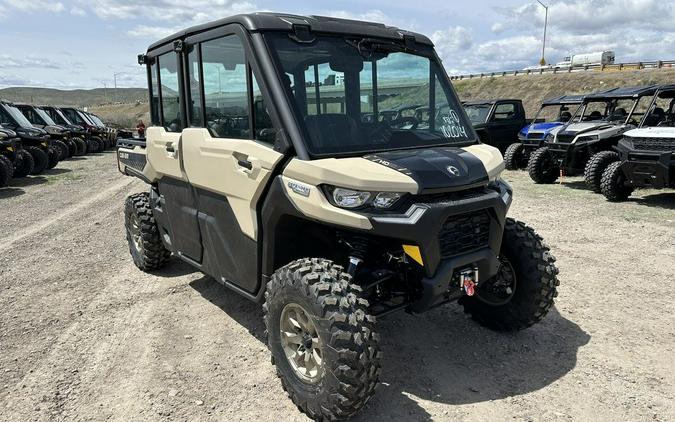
<point>77,11</point>
<point>33,5</point>
<point>9,62</point>
<point>498,28</point>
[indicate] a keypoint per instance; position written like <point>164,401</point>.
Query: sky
<point>90,43</point>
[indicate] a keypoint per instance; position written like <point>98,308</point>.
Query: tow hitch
<point>468,280</point>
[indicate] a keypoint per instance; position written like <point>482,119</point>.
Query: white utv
<point>646,154</point>
<point>587,143</point>
<point>270,170</point>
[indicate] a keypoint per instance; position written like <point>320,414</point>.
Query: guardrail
<point>658,64</point>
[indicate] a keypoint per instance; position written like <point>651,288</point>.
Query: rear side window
<point>194,75</point>
<point>168,78</point>
<point>505,111</point>
<point>154,105</point>
<point>226,88</point>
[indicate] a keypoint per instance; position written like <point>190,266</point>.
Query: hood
<point>7,133</point>
<point>438,169</point>
<point>652,132</point>
<point>584,127</point>
<point>55,129</point>
<point>30,131</point>
<point>544,127</point>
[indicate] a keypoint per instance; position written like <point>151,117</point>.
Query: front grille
<point>464,233</point>
<point>652,144</point>
<point>535,135</point>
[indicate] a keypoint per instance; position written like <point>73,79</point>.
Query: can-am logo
<point>454,171</point>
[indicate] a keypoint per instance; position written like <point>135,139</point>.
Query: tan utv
<point>271,171</point>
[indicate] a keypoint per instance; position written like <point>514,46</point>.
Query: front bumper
<point>649,170</point>
<point>445,248</point>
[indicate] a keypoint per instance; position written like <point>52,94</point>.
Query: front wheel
<point>5,172</point>
<point>40,158</point>
<point>53,154</point>
<point>61,148</point>
<point>522,292</point>
<point>143,235</point>
<point>613,184</point>
<point>24,164</point>
<point>596,166</point>
<point>322,338</point>
<point>541,166</point>
<point>514,157</point>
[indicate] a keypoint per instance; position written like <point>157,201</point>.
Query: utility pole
<point>105,91</point>
<point>542,62</point>
<point>115,81</point>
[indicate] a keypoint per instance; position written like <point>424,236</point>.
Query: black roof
<point>255,22</point>
<point>625,92</point>
<point>564,99</point>
<point>488,102</point>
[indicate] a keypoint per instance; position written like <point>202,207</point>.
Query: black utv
<point>276,186</point>
<point>20,162</point>
<point>35,140</point>
<point>78,134</point>
<point>8,148</point>
<point>586,144</point>
<point>646,154</point>
<point>60,135</point>
<point>94,141</point>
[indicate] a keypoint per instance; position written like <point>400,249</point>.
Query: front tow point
<point>468,280</point>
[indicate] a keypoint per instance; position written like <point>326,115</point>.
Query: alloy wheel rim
<point>499,289</point>
<point>301,343</point>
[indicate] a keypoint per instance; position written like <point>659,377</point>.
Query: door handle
<point>245,164</point>
<point>170,148</point>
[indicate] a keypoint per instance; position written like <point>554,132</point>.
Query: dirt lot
<point>84,335</point>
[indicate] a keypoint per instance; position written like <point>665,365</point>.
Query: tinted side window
<point>194,75</point>
<point>225,88</point>
<point>168,77</point>
<point>505,111</point>
<point>154,105</point>
<point>5,119</point>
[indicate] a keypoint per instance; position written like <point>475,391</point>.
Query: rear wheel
<point>62,149</point>
<point>322,338</point>
<point>72,147</point>
<point>522,292</point>
<point>81,146</point>
<point>5,173</point>
<point>8,163</point>
<point>541,167</point>
<point>53,155</point>
<point>40,158</point>
<point>93,146</point>
<point>24,164</point>
<point>596,166</point>
<point>143,235</point>
<point>613,184</point>
<point>514,157</point>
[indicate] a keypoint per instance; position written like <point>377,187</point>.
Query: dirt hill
<point>532,89</point>
<point>74,98</point>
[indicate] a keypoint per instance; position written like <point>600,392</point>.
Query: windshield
<point>95,119</point>
<point>361,95</point>
<point>478,113</point>
<point>48,120</point>
<point>660,110</point>
<point>18,116</point>
<point>554,113</point>
<point>606,110</point>
<point>59,117</point>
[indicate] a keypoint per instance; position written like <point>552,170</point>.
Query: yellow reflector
<point>10,148</point>
<point>414,253</point>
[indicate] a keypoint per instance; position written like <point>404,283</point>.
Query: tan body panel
<point>212,164</point>
<point>490,157</point>
<point>148,171</point>
<point>353,173</point>
<point>163,162</point>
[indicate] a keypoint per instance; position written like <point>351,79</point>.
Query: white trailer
<point>588,59</point>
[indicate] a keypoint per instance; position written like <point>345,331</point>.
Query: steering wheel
<point>401,122</point>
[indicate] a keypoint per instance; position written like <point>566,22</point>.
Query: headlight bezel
<point>368,200</point>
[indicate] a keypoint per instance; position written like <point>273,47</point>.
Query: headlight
<point>550,137</point>
<point>588,138</point>
<point>347,198</point>
<point>350,198</point>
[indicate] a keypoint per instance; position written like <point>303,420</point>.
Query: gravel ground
<point>84,335</point>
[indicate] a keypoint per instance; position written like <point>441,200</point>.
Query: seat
<point>565,116</point>
<point>595,115</point>
<point>655,117</point>
<point>329,130</point>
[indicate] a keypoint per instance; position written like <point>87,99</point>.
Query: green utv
<point>35,141</point>
<point>284,184</point>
